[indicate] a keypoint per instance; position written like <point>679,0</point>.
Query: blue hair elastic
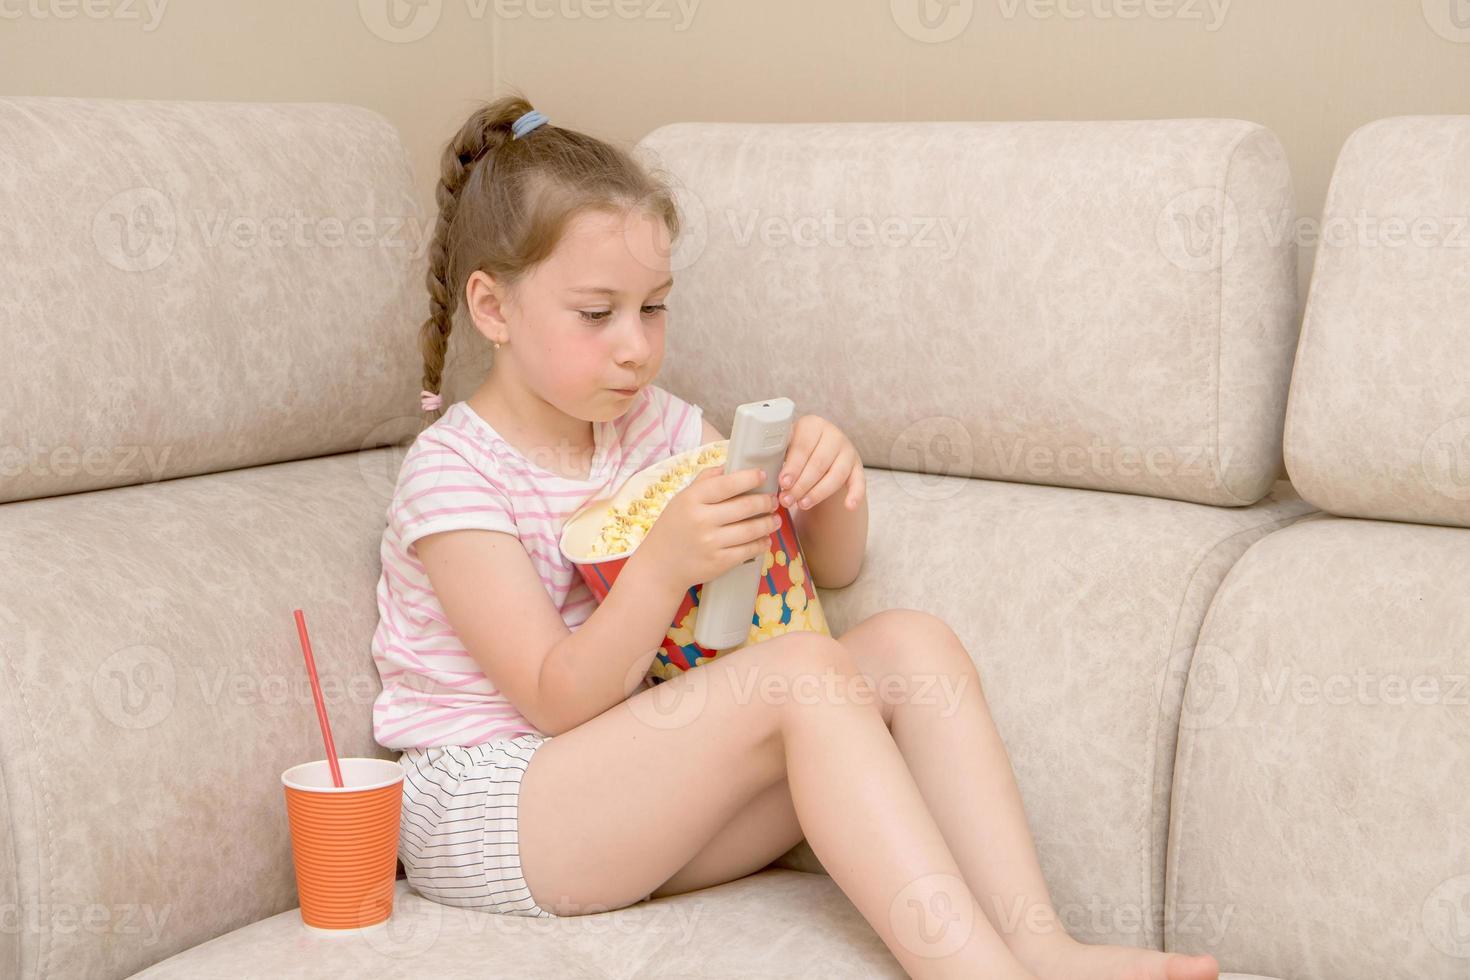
<point>526,123</point>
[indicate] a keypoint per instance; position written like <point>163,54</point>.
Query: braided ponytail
<point>486,130</point>
<point>504,203</point>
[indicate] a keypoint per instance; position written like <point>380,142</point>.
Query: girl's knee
<point>815,669</point>
<point>910,643</point>
<point>807,652</point>
<point>901,626</point>
<point>800,666</point>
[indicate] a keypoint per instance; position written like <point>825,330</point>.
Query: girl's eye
<point>596,316</point>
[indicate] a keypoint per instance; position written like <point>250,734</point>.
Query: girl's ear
<point>483,299</point>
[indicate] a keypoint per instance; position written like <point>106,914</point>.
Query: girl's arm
<point>606,659</point>
<point>557,678</point>
<point>833,540</point>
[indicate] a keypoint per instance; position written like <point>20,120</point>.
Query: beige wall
<point>1312,70</point>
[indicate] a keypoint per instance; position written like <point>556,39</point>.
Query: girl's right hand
<point>709,527</point>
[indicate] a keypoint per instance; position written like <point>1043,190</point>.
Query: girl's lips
<point>626,391</point>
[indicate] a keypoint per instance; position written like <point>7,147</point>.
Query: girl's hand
<point>710,526</point>
<point>819,462</point>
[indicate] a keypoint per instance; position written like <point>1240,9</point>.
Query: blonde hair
<point>504,204</point>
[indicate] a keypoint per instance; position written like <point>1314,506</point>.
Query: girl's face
<point>590,318</point>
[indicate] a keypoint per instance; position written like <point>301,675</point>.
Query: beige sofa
<point>1065,350</point>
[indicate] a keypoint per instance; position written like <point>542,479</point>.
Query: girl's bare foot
<point>1071,960</point>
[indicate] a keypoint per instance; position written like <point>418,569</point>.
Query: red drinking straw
<point>316,695</point>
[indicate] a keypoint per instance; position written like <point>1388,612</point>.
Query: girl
<point>494,654</point>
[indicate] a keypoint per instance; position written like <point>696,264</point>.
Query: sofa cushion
<point>199,286</point>
<point>152,671</point>
<point>1378,421</point>
<point>1102,304</point>
<point>152,691</point>
<point>1320,813</point>
<point>1081,610</point>
<point>775,923</point>
<point>771,924</point>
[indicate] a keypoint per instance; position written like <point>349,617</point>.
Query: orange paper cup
<point>344,841</point>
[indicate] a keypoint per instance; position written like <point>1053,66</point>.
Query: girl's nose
<point>633,346</point>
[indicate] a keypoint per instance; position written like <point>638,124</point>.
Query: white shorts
<point>457,837</point>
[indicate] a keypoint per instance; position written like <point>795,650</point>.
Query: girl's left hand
<point>819,462</point>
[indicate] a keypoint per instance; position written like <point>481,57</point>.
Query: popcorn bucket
<point>785,600</point>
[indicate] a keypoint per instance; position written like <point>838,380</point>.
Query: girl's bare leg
<point>870,827</point>
<point>931,697</point>
<point>760,833</point>
<point>784,711</point>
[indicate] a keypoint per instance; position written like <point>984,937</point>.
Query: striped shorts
<point>457,837</point>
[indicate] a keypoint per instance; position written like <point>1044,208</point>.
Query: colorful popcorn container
<point>601,536</point>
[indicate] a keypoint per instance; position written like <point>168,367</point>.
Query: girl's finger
<point>857,486</point>
<point>791,468</point>
<point>827,485</point>
<point>823,453</point>
<point>804,437</point>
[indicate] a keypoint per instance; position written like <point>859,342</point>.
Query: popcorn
<point>624,528</point>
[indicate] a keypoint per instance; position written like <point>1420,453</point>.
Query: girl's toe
<point>1201,967</point>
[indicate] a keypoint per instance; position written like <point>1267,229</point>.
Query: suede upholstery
<point>1318,791</point>
<point>1111,292</point>
<point>1105,305</point>
<point>1390,310</point>
<point>200,286</point>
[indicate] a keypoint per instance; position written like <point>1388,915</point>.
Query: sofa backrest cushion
<point>1109,305</point>
<point>201,286</point>
<point>1378,420</point>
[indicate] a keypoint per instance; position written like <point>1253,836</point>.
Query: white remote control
<point>727,604</point>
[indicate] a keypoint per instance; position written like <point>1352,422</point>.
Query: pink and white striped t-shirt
<point>460,473</point>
